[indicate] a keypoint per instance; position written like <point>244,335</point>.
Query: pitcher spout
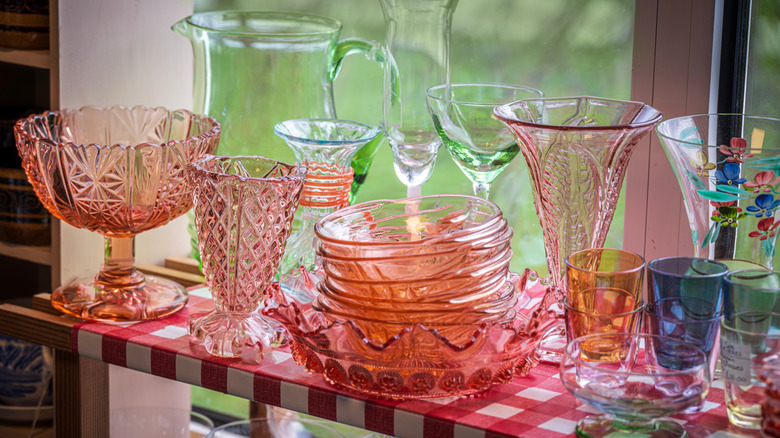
<point>183,28</point>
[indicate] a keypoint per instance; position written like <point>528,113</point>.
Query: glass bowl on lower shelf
<point>276,428</point>
<point>158,421</point>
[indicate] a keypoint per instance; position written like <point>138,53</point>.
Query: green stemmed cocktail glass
<point>463,117</point>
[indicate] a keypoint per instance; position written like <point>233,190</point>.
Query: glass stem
<point>118,268</point>
<point>633,425</point>
<point>482,190</point>
<point>413,191</point>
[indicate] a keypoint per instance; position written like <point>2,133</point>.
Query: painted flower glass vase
<point>116,171</point>
<point>243,214</point>
<point>728,167</point>
<point>577,150</point>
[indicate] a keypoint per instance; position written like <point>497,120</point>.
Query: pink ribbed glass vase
<point>577,150</point>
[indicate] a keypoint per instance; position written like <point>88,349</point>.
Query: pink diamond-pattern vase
<point>244,209</point>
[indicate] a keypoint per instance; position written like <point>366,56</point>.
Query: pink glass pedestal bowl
<point>117,171</point>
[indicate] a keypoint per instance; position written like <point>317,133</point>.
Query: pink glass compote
<point>117,171</point>
<point>243,215</point>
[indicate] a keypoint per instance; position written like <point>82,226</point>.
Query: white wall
<point>122,52</point>
<point>118,52</point>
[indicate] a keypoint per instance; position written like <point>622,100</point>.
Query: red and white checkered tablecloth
<point>532,406</point>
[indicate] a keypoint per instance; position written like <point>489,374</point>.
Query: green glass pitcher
<point>255,69</point>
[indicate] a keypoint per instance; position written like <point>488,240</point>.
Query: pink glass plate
<point>426,224</point>
<point>422,293</point>
<point>415,362</point>
<point>498,296</point>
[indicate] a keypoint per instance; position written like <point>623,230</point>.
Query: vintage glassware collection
<point>414,298</point>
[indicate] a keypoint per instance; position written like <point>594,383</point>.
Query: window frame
<point>675,69</point>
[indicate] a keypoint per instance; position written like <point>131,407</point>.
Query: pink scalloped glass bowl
<point>380,331</point>
<point>414,360</point>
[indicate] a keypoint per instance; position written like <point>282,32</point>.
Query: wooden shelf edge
<point>184,264</point>
<point>37,327</point>
<point>30,58</point>
<point>42,303</point>
<point>184,278</point>
<point>35,254</point>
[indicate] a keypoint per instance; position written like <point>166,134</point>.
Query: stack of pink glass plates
<point>416,300</point>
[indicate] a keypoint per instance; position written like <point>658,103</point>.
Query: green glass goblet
<point>463,117</point>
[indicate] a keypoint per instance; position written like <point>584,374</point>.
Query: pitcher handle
<point>376,52</point>
<point>372,50</point>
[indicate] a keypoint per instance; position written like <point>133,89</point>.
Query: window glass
<point>762,91</point>
<point>763,70</point>
<point>560,47</point>
<point>550,45</point>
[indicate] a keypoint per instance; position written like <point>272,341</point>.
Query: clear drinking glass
<point>747,340</point>
<point>479,144</point>
<point>418,48</point>
<point>751,289</point>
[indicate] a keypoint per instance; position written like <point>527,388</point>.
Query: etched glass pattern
<point>243,215</point>
<point>117,171</point>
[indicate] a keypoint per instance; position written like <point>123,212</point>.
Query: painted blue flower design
<point>765,205</point>
<point>730,175</point>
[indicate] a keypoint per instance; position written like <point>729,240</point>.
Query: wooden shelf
<point>36,254</point>
<point>30,58</point>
